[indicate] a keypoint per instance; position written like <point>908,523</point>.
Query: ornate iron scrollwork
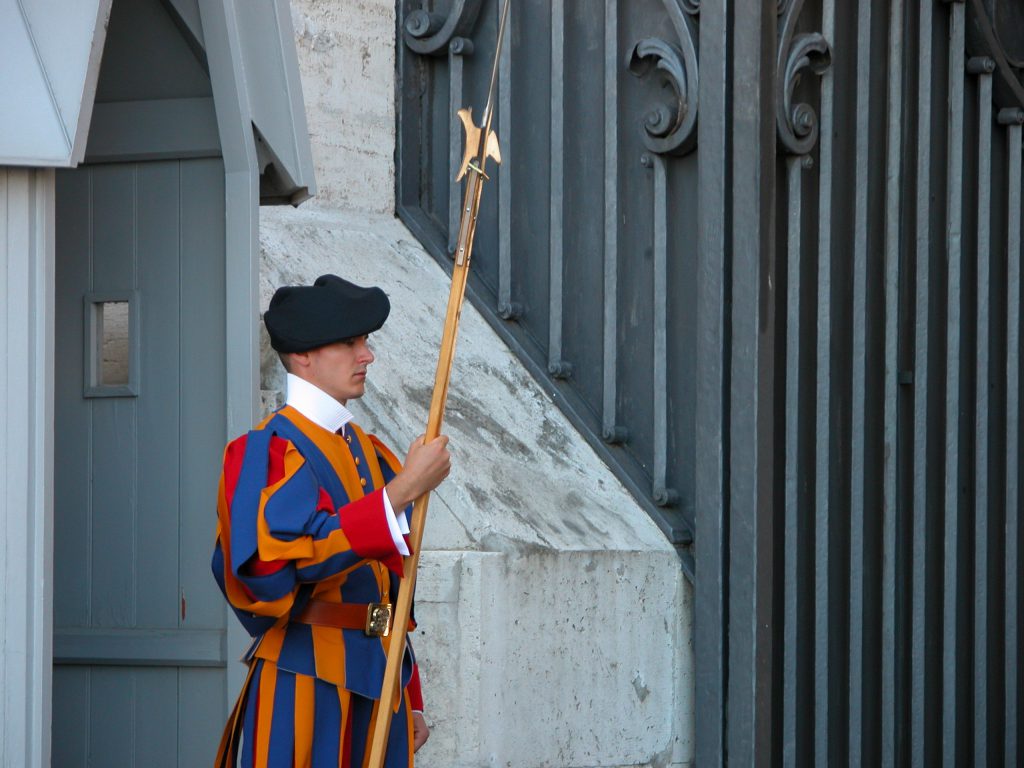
<point>995,29</point>
<point>670,128</point>
<point>797,123</point>
<point>430,33</point>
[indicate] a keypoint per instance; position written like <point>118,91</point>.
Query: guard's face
<point>339,369</point>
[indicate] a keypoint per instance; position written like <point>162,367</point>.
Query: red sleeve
<point>415,689</point>
<point>365,525</point>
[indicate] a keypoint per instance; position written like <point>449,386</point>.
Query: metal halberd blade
<point>472,133</point>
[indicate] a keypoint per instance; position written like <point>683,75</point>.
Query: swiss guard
<point>312,526</point>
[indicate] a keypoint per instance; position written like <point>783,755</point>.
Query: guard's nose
<point>367,355</point>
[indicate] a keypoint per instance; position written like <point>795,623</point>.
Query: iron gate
<point>766,255</point>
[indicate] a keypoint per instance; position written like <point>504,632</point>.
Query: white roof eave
<point>50,53</point>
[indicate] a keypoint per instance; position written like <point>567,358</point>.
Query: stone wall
<point>347,62</point>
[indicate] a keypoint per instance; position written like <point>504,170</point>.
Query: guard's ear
<point>297,360</point>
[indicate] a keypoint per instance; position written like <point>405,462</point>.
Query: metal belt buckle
<point>378,619</point>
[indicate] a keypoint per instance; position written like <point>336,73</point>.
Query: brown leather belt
<point>373,618</point>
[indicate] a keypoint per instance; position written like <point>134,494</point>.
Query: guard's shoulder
<point>266,420</point>
<point>235,450</point>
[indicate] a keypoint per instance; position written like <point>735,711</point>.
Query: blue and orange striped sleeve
<point>278,527</point>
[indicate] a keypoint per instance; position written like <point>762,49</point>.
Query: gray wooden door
<point>139,674</point>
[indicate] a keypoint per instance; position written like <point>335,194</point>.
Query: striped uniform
<point>301,516</point>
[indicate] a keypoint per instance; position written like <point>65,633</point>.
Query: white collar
<point>316,405</point>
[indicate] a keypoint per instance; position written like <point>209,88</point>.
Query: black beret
<point>304,317</point>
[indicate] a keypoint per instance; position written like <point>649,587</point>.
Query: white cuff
<point>398,525</point>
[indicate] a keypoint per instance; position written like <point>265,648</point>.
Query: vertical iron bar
<point>792,554</point>
<point>555,364</point>
<point>711,507</point>
<point>1013,251</point>
<point>982,571</point>
<point>454,146</point>
<point>858,390</point>
<point>954,258</point>
<point>752,439</point>
<point>922,427</point>
<point>893,169</point>
<point>505,309</point>
<point>660,377</point>
<point>823,414</point>
<point>611,217</point>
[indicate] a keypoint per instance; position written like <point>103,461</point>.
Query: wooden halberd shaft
<point>480,144</point>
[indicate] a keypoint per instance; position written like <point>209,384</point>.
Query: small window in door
<point>111,344</point>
